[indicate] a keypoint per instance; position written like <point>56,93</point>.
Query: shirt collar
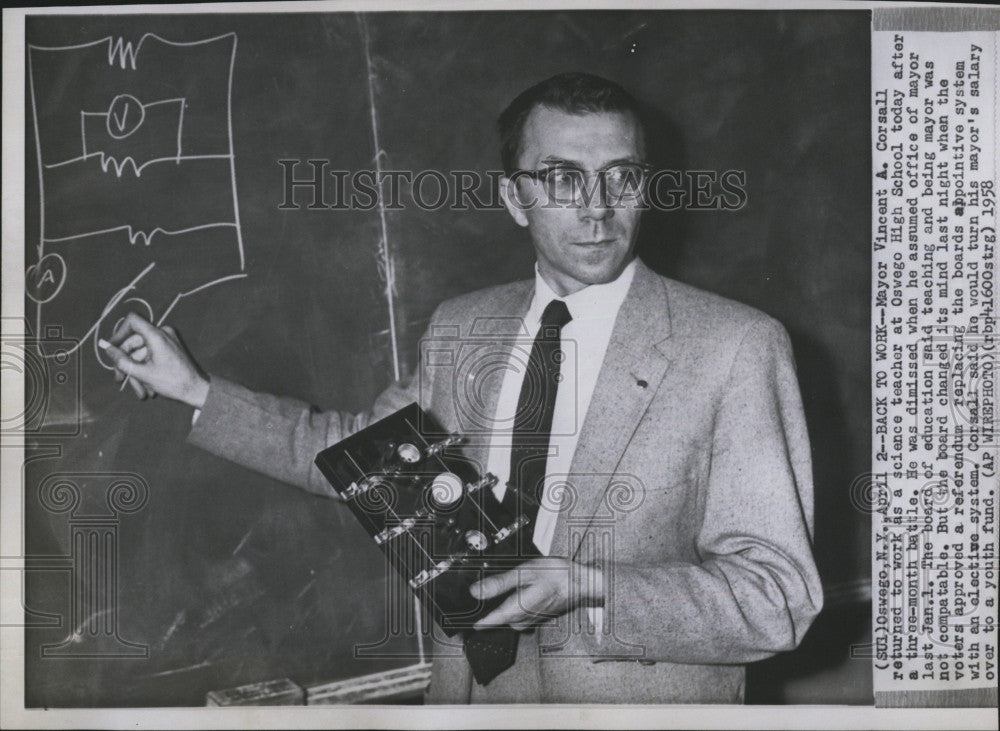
<point>594,301</point>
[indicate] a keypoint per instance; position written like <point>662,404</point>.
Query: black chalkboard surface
<point>155,184</point>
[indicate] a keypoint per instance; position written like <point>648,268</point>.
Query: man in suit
<point>676,496</point>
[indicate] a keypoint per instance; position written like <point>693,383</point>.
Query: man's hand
<point>155,361</point>
<point>542,588</point>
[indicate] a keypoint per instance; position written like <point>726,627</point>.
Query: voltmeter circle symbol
<point>125,116</point>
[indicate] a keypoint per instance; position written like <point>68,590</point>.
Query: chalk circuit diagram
<point>137,181</point>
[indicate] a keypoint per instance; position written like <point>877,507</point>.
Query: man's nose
<point>595,207</point>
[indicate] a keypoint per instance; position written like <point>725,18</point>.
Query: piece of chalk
<point>103,344</point>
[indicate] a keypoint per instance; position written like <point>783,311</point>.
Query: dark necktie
<point>492,651</point>
<point>533,418</point>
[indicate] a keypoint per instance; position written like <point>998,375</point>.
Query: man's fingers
<point>521,610</point>
<point>120,333</point>
<point>121,360</point>
<point>509,611</point>
<point>133,323</point>
<point>127,369</point>
<point>496,585</point>
<point>123,330</point>
<point>132,343</point>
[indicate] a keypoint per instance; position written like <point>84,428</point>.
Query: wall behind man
<point>229,578</point>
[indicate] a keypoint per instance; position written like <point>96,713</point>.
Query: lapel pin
<point>641,383</point>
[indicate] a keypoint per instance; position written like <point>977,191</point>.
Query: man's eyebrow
<point>621,161</point>
<point>559,161</point>
<point>562,162</point>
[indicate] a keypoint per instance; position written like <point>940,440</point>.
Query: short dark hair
<point>571,92</point>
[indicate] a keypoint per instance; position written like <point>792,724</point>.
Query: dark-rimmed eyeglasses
<point>620,183</point>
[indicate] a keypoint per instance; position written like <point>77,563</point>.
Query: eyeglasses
<point>567,184</point>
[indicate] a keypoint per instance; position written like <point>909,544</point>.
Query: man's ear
<point>511,201</point>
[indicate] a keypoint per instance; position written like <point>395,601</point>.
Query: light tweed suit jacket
<point>691,485</point>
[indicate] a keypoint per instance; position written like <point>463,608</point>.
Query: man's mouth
<point>597,242</point>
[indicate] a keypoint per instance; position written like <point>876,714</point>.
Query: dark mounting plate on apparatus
<point>434,516</point>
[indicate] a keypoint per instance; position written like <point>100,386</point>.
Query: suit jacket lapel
<point>636,361</point>
<point>490,340</point>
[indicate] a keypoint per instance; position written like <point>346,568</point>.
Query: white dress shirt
<point>585,338</point>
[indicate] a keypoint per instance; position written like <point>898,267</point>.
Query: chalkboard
<point>155,183</point>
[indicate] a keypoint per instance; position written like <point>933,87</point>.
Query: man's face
<point>582,242</point>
